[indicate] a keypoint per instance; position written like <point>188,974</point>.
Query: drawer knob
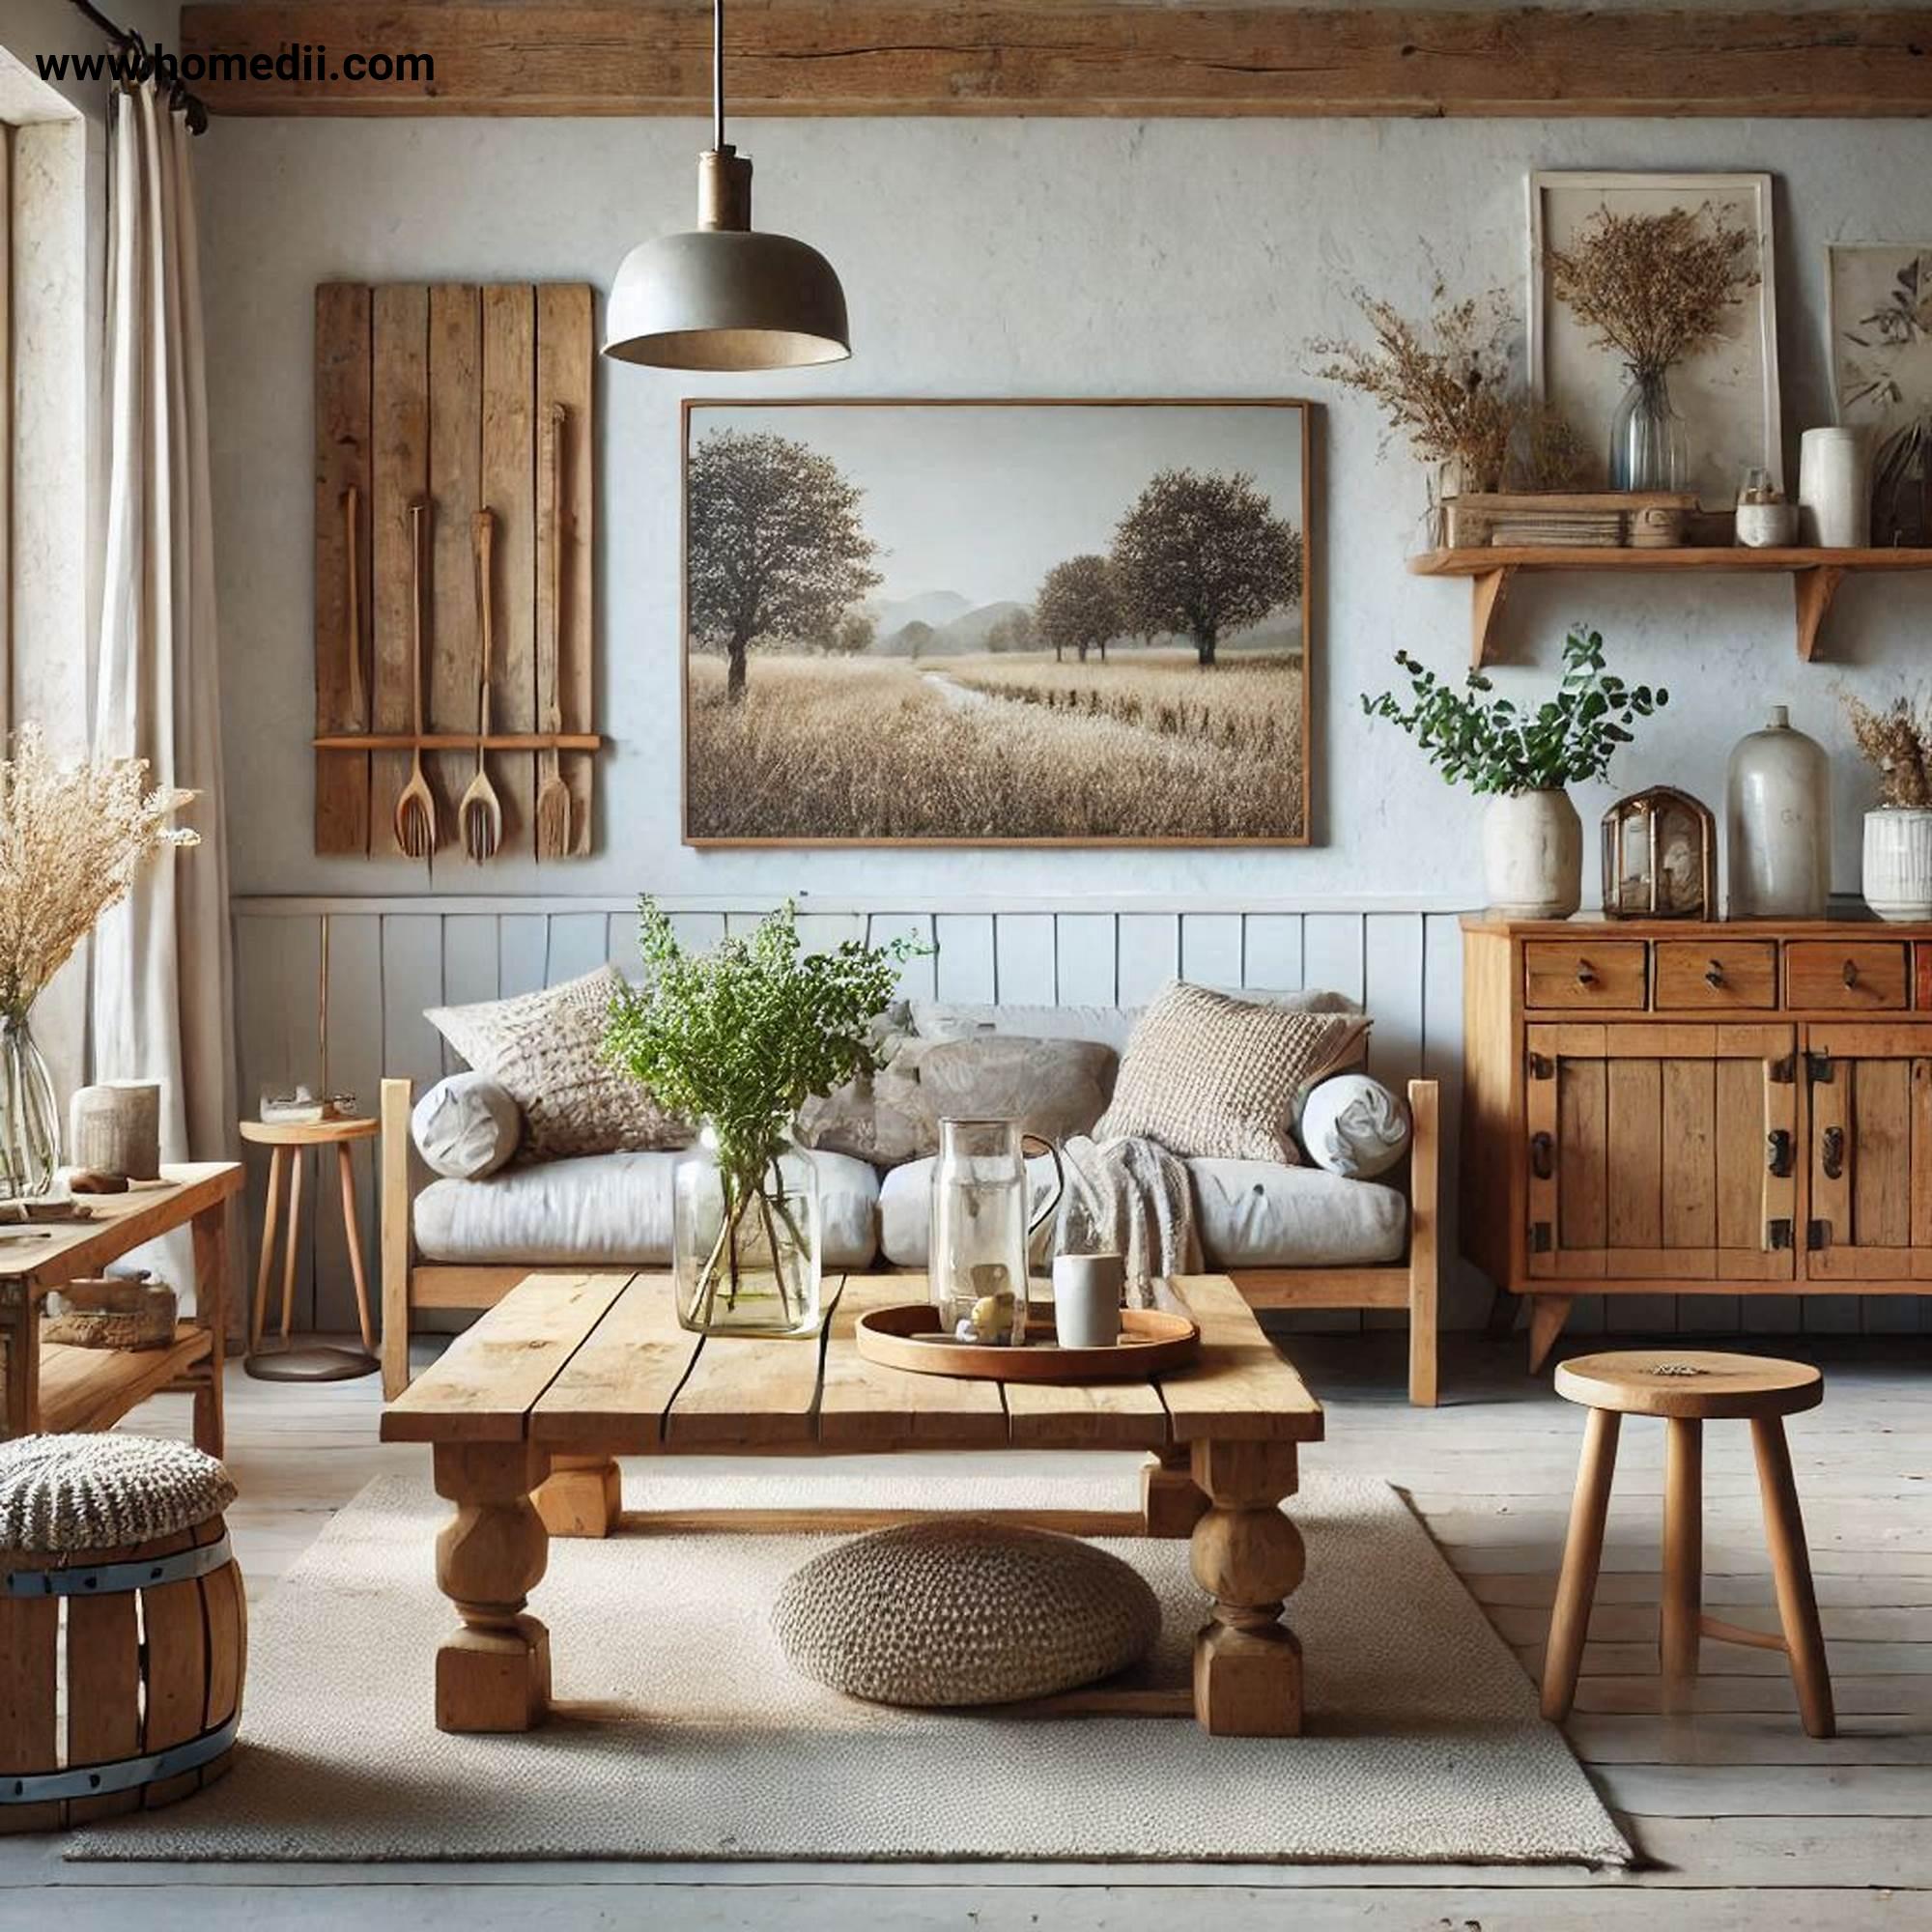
<point>1850,975</point>
<point>1714,976</point>
<point>1586,973</point>
<point>1835,1153</point>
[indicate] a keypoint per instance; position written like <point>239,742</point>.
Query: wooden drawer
<point>1862,976</point>
<point>1571,973</point>
<point>1732,974</point>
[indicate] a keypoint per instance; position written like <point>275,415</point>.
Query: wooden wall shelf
<point>1815,575</point>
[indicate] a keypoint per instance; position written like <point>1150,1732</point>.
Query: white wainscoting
<point>390,958</point>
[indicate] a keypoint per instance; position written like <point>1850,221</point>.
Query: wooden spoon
<point>480,812</point>
<point>553,794</point>
<point>415,808</point>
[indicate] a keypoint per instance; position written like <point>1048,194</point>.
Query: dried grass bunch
<point>1897,744</point>
<point>1655,287</point>
<point>72,837</point>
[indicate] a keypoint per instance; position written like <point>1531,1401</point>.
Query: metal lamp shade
<point>726,298</point>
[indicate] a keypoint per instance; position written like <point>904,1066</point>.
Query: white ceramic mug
<point>1087,1292</point>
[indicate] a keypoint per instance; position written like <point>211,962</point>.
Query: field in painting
<point>991,746</point>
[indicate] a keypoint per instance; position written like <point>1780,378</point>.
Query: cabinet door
<point>1661,1153</point>
<point>1869,1146</point>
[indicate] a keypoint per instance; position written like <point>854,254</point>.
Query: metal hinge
<point>1818,1068</point>
<point>1542,1066</point>
<point>1539,1238</point>
<point>1783,1072</point>
<point>1777,1234</point>
<point>1817,1235</point>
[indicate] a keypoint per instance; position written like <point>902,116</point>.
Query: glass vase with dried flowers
<point>1655,287</point>
<point>1896,743</point>
<point>73,837</point>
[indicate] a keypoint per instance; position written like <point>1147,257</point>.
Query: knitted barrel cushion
<point>958,1610</point>
<point>61,1493</point>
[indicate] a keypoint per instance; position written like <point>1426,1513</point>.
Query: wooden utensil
<point>415,808</point>
<point>553,794</point>
<point>480,812</point>
<point>359,702</point>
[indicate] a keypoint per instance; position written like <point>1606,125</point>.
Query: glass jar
<point>1650,447</point>
<point>980,1228</point>
<point>29,1114</point>
<point>744,1237</point>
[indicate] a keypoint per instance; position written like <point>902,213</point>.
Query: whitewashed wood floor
<point>1743,1821</point>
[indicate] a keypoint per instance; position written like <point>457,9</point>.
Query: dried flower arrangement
<point>1897,744</point>
<point>1655,287</point>
<point>72,837</point>
<point>1449,384</point>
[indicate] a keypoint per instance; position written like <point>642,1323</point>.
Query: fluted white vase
<point>1533,855</point>
<point>1777,824</point>
<point>1898,863</point>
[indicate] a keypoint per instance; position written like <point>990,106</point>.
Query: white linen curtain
<point>160,999</point>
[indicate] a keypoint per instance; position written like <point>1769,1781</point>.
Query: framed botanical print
<point>998,623</point>
<point>1881,307</point>
<point>1725,389</point>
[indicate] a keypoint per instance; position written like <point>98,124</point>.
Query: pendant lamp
<point>721,296</point>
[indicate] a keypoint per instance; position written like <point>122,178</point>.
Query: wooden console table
<point>1666,1107</point>
<point>49,1387</point>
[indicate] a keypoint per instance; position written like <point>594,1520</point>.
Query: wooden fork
<point>480,812</point>
<point>415,808</point>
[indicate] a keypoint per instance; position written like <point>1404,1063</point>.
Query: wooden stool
<point>287,1141</point>
<point>1688,1387</point>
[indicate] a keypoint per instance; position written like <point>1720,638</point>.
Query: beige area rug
<point>683,1734</point>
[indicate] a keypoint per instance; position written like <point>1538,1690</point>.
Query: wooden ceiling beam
<point>849,57</point>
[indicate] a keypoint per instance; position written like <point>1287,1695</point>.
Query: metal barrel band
<point>121,1774</point>
<point>109,1579</point>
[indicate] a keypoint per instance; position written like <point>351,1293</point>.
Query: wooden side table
<point>288,1141</point>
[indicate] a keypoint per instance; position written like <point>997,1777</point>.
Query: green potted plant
<point>1522,761</point>
<point>735,1040</point>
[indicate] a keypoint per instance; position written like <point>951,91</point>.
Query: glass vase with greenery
<point>736,1039</point>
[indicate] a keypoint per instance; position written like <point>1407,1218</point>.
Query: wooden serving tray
<point>908,1336</point>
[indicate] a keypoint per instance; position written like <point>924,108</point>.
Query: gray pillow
<point>465,1127</point>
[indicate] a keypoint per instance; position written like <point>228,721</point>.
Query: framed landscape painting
<point>997,623</point>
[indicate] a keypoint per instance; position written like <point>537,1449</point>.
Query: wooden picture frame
<point>1710,390</point>
<point>1092,720</point>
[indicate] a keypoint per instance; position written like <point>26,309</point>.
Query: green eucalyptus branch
<point>1494,745</point>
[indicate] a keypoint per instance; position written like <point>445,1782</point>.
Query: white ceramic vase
<point>1834,489</point>
<point>1898,863</point>
<point>1533,855</point>
<point>1777,824</point>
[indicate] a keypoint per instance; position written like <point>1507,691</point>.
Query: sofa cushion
<point>1251,1213</point>
<point>1354,1126</point>
<point>610,1208</point>
<point>465,1127</point>
<point>1111,1026</point>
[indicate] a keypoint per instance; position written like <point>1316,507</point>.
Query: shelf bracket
<point>1814,589</point>
<point>1487,588</point>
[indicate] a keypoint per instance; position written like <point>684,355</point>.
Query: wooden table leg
<point>290,1241</point>
<point>346,1168</point>
<point>211,1312</point>
<point>1582,1553</point>
<point>1791,1569</point>
<point>493,1674</point>
<point>265,1267</point>
<point>1682,1594</point>
<point>1548,1314</point>
<point>19,1360</point>
<point>1248,1557</point>
<point>581,1496</point>
<point>1170,1502</point>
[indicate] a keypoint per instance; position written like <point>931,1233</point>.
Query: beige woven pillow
<point>545,1051</point>
<point>1214,1078</point>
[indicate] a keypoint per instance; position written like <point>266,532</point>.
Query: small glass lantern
<point>1659,856</point>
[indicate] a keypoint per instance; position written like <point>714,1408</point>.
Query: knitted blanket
<point>1133,1198</point>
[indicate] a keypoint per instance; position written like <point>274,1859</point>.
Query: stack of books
<point>1549,520</point>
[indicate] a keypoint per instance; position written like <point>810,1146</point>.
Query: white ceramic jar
<point>1533,855</point>
<point>1777,824</point>
<point>1834,489</point>
<point>1899,862</point>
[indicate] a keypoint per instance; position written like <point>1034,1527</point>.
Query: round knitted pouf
<point>127,1536</point>
<point>958,1610</point>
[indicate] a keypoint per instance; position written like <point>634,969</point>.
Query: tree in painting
<point>1077,609</point>
<point>1200,554</point>
<point>777,549</point>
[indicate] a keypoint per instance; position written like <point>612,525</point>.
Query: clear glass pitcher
<point>977,1251</point>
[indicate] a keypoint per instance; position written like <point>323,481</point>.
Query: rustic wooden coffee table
<point>527,1410</point>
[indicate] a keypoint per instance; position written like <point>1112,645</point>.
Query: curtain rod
<point>129,41</point>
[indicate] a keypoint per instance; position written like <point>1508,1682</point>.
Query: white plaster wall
<point>1047,257</point>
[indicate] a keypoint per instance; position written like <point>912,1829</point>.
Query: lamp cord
<point>718,75</point>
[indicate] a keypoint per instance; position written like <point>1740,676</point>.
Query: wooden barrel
<point>121,1676</point>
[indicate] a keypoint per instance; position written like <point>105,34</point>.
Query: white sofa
<point>1290,1236</point>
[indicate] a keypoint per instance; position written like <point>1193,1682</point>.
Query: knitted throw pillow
<point>546,1050</point>
<point>1215,1078</point>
